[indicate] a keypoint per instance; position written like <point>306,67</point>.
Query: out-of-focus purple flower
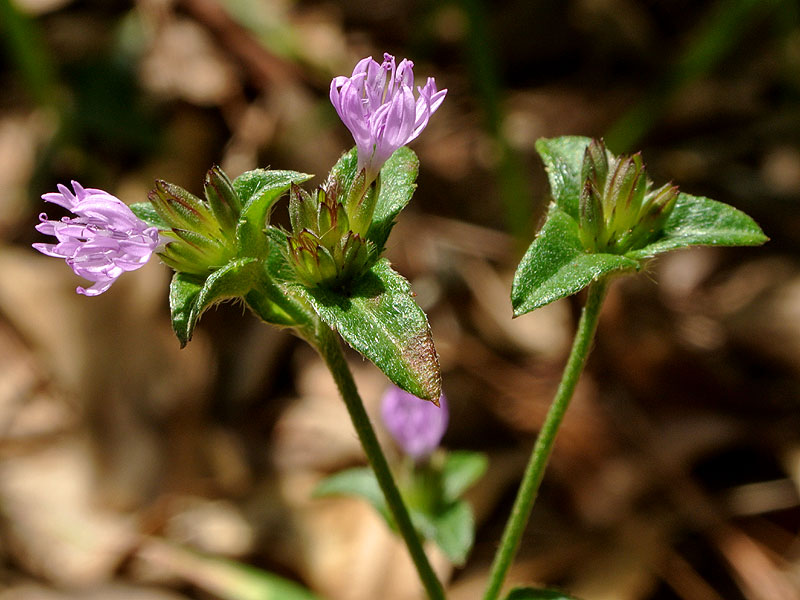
<point>104,240</point>
<point>417,425</point>
<point>377,105</point>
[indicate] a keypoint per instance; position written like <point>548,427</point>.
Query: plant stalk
<point>537,464</point>
<point>329,348</point>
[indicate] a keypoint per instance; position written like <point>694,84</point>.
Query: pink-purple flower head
<point>104,240</point>
<point>416,425</point>
<point>377,105</point>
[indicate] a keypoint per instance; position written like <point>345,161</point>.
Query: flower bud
<point>417,425</point>
<point>324,250</point>
<point>204,231</point>
<point>617,210</point>
<point>222,198</point>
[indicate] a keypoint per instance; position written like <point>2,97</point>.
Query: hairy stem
<point>537,464</point>
<point>331,352</point>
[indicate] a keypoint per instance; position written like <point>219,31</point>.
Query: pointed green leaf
<point>556,265</point>
<point>397,186</point>
<point>278,265</point>
<point>359,481</point>
<point>234,280</point>
<point>191,295</point>
<point>206,246</point>
<point>267,310</point>
<point>183,292</point>
<point>222,198</point>
<point>185,259</point>
<point>454,531</point>
<point>461,470</point>
<point>259,190</point>
<point>344,172</point>
<point>700,221</point>
<point>563,161</point>
<point>182,209</point>
<point>147,213</point>
<point>529,593</point>
<point>379,318</point>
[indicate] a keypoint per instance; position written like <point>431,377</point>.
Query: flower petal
<point>104,240</point>
<point>376,103</point>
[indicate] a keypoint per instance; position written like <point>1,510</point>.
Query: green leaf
<point>344,171</point>
<point>397,186</point>
<point>266,309</point>
<point>556,265</point>
<point>700,221</point>
<point>234,280</point>
<point>183,292</point>
<point>461,470</point>
<point>563,159</point>
<point>529,593</point>
<point>264,185</point>
<point>359,481</point>
<point>147,213</point>
<point>258,191</point>
<point>379,317</point>
<point>190,296</point>
<point>455,531</point>
<point>278,263</point>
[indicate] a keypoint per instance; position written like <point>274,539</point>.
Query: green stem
<point>331,352</point>
<point>534,472</point>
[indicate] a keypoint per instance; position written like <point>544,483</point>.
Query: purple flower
<point>417,425</point>
<point>102,242</point>
<point>377,105</point>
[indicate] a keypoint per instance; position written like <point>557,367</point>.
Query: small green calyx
<point>203,230</point>
<point>326,247</point>
<point>618,210</point>
<point>222,198</point>
<point>360,201</point>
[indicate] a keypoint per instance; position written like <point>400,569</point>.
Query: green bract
<point>604,219</point>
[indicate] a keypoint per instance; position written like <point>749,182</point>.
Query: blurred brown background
<point>677,471</point>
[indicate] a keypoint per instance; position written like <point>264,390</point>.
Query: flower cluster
<point>323,248</point>
<point>200,232</point>
<point>329,244</point>
<point>377,105</point>
<point>416,425</point>
<point>103,241</point>
<point>618,209</point>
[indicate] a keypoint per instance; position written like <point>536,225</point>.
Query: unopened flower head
<point>377,105</point>
<point>104,240</point>
<point>416,425</point>
<point>619,209</point>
